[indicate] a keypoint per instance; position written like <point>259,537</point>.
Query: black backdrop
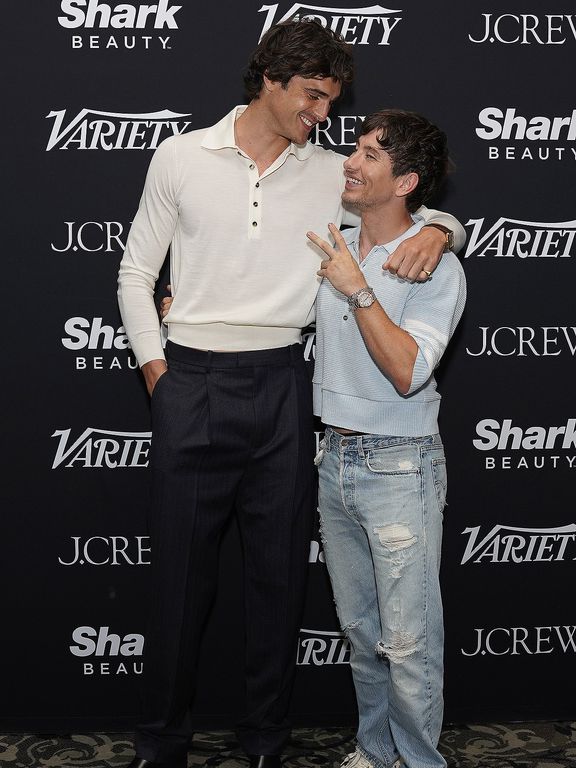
<point>91,88</point>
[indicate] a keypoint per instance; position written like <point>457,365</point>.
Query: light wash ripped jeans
<point>381,500</point>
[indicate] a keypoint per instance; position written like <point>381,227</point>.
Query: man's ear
<point>269,85</point>
<point>406,184</point>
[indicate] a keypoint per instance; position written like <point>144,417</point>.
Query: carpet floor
<point>518,745</point>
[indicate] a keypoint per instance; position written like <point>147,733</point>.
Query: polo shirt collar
<point>221,136</point>
<point>352,237</point>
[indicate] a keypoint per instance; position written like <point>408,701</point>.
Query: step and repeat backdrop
<point>91,89</point>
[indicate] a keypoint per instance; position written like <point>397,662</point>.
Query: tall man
<point>382,467</point>
<point>231,409</point>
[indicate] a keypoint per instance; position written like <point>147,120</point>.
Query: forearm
<point>393,350</point>
<point>138,312</point>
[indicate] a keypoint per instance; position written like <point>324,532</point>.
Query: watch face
<point>365,299</point>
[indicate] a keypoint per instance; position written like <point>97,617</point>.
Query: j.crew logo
<point>520,641</point>
<point>357,26</point>
<point>108,550</point>
<point>526,29</point>
<point>524,341</point>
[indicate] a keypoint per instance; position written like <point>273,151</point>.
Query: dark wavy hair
<point>414,145</point>
<point>303,48</point>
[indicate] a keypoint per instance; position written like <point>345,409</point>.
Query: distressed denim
<point>381,500</point>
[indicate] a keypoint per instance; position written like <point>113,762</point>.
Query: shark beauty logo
<point>126,26</point>
<point>514,136</point>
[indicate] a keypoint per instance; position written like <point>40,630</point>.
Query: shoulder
<point>450,265</point>
<point>185,142</point>
<point>326,157</point>
<point>176,151</point>
<point>448,279</point>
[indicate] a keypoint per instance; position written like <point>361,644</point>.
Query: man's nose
<point>321,110</point>
<point>351,162</point>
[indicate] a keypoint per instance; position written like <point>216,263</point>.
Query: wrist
<point>447,233</point>
<point>362,299</point>
<point>152,371</point>
<point>353,288</point>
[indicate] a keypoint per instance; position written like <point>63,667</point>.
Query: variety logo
<point>108,550</point>
<point>534,138</point>
<point>91,237</point>
<point>524,341</point>
<point>526,29</point>
<point>83,333</point>
<point>322,648</point>
<point>101,643</point>
<point>92,15</point>
<point>508,544</point>
<point>102,448</point>
<point>357,26</point>
<point>94,129</point>
<point>337,132</point>
<point>530,448</point>
<point>509,238</point>
<point>522,641</point>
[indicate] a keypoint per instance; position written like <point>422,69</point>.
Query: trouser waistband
<point>335,441</point>
<point>291,355</point>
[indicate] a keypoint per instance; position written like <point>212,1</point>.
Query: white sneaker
<point>355,760</point>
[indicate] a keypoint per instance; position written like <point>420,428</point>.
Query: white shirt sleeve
<point>146,248</point>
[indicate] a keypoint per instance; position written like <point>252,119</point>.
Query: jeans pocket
<point>440,481</point>
<point>403,459</point>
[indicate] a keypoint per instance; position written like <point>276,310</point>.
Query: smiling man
<point>231,405</point>
<point>381,464</point>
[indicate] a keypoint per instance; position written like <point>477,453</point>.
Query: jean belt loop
<point>360,446</point>
<point>327,438</point>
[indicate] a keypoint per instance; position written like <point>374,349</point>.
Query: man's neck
<point>379,226</point>
<point>256,136</point>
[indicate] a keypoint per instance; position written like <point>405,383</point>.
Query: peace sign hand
<point>340,268</point>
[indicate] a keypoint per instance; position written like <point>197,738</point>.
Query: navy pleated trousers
<point>232,434</point>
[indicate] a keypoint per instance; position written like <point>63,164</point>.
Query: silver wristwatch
<point>363,298</point>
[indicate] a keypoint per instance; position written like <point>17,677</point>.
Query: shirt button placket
<point>255,202</point>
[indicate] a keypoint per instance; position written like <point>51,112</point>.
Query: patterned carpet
<point>521,745</point>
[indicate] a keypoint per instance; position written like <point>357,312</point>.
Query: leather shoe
<point>265,761</point>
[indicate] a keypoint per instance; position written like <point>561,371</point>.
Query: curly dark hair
<point>414,145</point>
<point>303,48</point>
